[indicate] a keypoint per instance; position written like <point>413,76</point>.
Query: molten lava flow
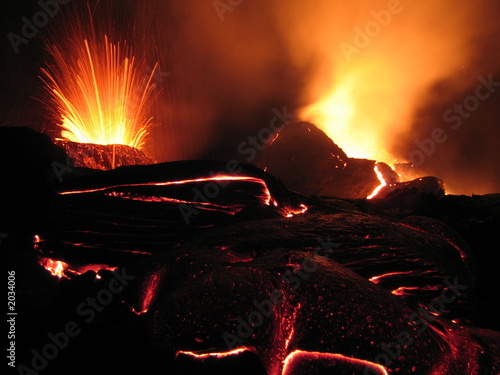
<point>150,288</point>
<point>382,183</point>
<point>91,267</point>
<point>292,213</point>
<point>55,267</point>
<point>62,269</point>
<point>99,92</point>
<point>404,290</point>
<point>187,181</point>
<point>334,358</point>
<point>376,279</point>
<point>265,197</point>
<point>215,354</point>
<point>407,290</point>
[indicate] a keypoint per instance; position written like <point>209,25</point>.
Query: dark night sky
<point>223,78</point>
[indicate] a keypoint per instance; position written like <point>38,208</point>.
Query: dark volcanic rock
<point>422,185</point>
<point>309,162</point>
<point>215,301</point>
<point>27,179</point>
<point>353,275</point>
<point>94,156</point>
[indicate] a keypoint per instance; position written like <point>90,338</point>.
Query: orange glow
<point>150,288</point>
<point>298,355</point>
<point>91,267</point>
<point>382,183</point>
<point>403,290</point>
<point>349,112</point>
<point>266,197</point>
<point>292,213</point>
<point>181,182</point>
<point>62,269</point>
<point>215,355</point>
<point>376,279</point>
<point>55,267</point>
<point>99,92</point>
<point>291,328</point>
<point>375,62</point>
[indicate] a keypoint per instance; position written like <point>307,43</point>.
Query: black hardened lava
<point>217,268</point>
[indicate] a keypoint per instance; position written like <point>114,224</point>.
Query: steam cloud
<point>424,59</point>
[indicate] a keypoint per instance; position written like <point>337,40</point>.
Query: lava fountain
<point>99,93</point>
<point>100,89</point>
